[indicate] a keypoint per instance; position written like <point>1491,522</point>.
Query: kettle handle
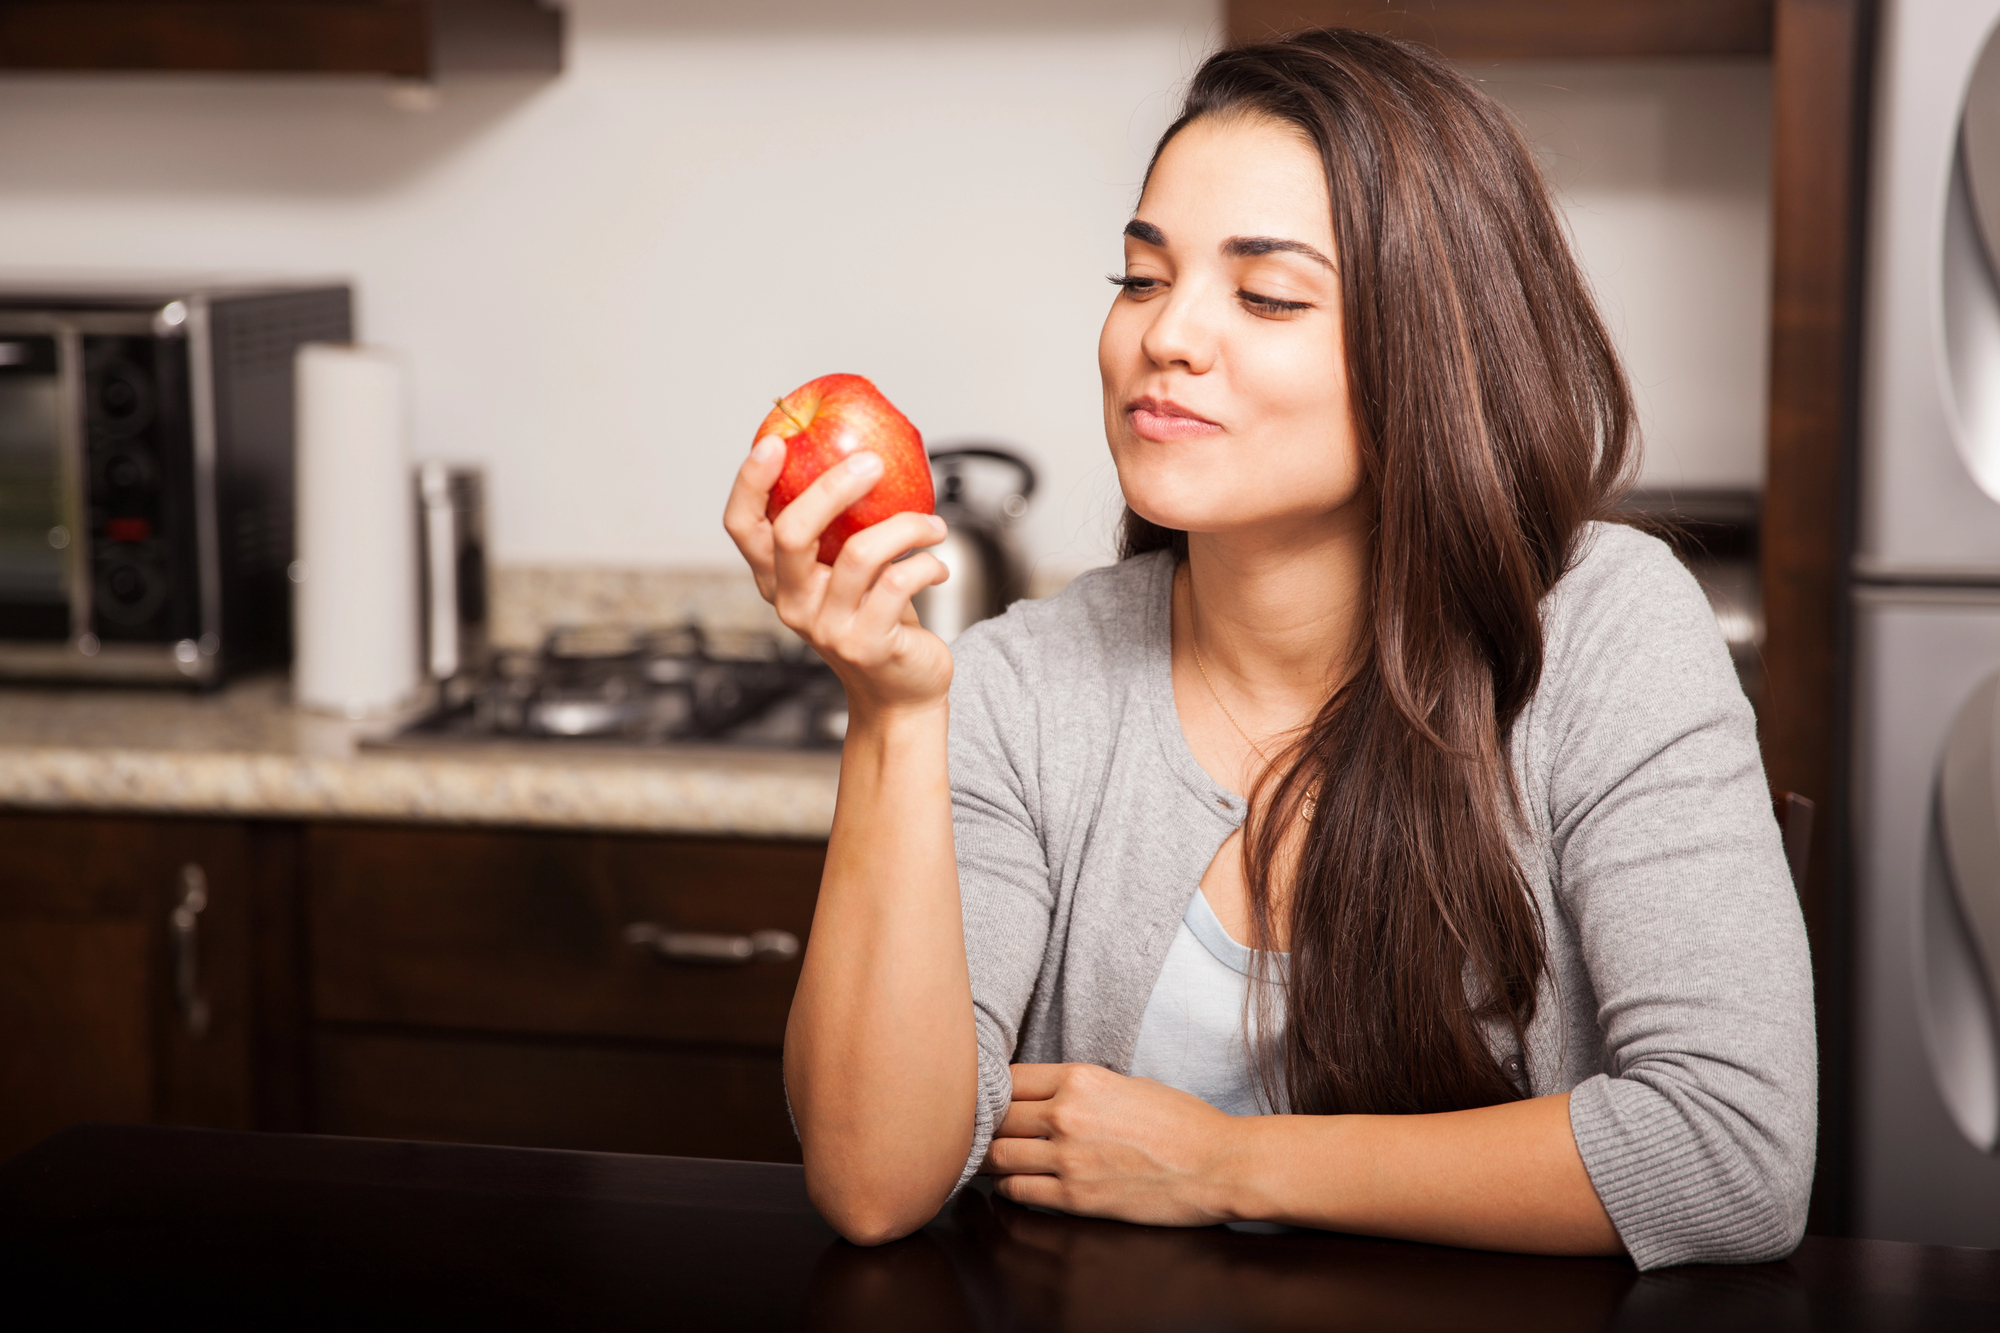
<point>1027,487</point>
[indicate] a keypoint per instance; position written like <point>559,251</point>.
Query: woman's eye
<point>1134,286</point>
<point>1271,305</point>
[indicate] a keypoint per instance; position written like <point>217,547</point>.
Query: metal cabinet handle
<point>184,924</point>
<point>683,946</point>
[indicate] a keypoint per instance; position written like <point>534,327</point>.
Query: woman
<point>1378,784</point>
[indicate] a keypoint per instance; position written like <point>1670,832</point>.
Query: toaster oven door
<point>40,536</point>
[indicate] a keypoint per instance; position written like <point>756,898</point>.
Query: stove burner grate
<point>679,684</point>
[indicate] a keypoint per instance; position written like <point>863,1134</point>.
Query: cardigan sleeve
<point>1003,874</point>
<point>1700,1137</point>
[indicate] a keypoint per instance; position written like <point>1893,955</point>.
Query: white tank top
<point>1191,1036</point>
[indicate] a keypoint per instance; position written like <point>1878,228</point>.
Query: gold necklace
<point>1311,801</point>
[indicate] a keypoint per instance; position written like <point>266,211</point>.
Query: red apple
<point>834,416</point>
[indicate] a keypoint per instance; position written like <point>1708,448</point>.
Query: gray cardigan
<point>1676,1008</point>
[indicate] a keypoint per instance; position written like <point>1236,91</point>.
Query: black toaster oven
<point>146,476</point>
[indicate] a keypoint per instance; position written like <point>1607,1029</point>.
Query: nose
<point>1184,331</point>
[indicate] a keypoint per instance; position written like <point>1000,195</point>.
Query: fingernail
<point>768,448</point>
<point>864,465</point>
<point>937,525</point>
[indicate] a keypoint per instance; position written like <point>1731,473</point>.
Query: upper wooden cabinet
<point>1530,29</point>
<point>414,39</point>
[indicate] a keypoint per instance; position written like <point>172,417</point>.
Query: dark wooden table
<point>176,1225</point>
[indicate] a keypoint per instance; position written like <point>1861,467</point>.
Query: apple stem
<point>788,413</point>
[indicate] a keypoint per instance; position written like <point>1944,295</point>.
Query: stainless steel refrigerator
<point>1926,778</point>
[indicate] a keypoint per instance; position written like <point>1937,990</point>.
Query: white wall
<point>601,281</point>
<point>1664,171</point>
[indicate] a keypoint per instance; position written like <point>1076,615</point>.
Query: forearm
<point>1504,1177</point>
<point>881,1060</point>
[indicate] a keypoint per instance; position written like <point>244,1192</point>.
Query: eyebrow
<point>1237,247</point>
<point>1249,247</point>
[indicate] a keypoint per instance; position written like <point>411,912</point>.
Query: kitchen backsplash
<point>530,600</point>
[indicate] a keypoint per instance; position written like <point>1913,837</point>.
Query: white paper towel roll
<point>354,603</point>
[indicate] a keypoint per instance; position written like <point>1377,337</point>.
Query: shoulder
<point>1626,591</point>
<point>1633,660</point>
<point>1092,629</point>
<point>1617,565</point>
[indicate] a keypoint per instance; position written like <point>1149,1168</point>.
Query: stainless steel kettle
<point>981,491</point>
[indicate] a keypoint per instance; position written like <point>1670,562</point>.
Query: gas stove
<point>619,686</point>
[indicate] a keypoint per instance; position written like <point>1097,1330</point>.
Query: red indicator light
<point>128,529</point>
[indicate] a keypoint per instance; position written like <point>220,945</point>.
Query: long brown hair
<point>1493,421</point>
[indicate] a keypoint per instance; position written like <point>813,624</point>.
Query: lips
<point>1163,419</point>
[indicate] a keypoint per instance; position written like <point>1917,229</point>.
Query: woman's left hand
<point>1085,1140</point>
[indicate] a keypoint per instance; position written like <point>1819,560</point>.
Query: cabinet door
<point>110,1007</point>
<point>667,1098</point>
<point>526,932</point>
<point>480,986</point>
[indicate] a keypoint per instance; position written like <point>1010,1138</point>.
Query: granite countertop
<point>244,751</point>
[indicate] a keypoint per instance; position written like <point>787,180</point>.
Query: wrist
<point>890,722</point>
<point>882,741</point>
<point>1234,1175</point>
<point>1257,1174</point>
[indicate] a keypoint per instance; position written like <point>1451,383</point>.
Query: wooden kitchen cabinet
<point>524,932</point>
<point>677,1101</point>
<point>478,986</point>
<point>412,39</point>
<point>395,981</point>
<point>108,1011</point>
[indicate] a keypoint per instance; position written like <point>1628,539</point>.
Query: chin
<point>1216,509</point>
<point>1185,508</point>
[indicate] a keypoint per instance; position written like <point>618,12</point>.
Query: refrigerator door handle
<point>1968,284</point>
<point>1961,929</point>
<point>1971,310</point>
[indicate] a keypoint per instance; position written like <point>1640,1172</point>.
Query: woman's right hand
<point>857,613</point>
